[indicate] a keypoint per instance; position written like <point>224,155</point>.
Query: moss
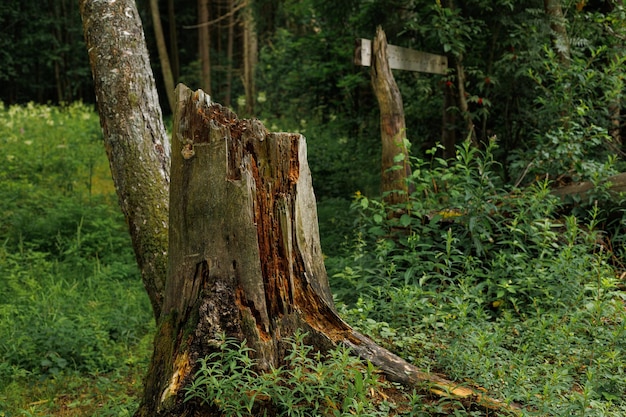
<point>133,99</point>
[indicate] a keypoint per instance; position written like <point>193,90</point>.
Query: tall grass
<point>72,307</point>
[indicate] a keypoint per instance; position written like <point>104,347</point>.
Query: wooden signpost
<point>402,58</point>
<point>382,58</point>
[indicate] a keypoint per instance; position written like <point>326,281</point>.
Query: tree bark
<point>245,258</point>
<point>394,185</point>
<point>559,30</point>
<point>164,59</point>
<point>617,184</point>
<point>134,135</point>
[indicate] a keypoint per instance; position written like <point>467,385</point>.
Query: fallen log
<point>616,184</point>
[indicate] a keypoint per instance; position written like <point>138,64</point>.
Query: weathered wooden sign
<point>402,58</point>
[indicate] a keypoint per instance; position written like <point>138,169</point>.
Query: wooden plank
<point>402,58</point>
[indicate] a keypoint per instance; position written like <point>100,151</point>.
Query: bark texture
<point>616,185</point>
<point>392,124</point>
<point>245,258</point>
<point>134,135</point>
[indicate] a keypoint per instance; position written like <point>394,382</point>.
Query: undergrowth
<point>511,290</point>
<point>493,286</point>
<point>73,313</point>
<point>308,385</point>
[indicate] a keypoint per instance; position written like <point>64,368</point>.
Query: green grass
<point>75,322</point>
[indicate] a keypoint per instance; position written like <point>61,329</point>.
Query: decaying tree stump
<point>245,257</point>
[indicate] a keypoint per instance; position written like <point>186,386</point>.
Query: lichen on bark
<point>134,135</point>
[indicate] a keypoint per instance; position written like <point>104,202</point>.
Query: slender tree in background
<point>448,122</point>
<point>134,135</point>
<point>250,57</point>
<point>204,45</point>
<point>456,61</point>
<point>554,10</point>
<point>173,32</point>
<point>168,77</point>
<point>63,81</point>
<point>229,52</point>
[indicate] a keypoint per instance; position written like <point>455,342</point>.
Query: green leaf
<point>405,220</point>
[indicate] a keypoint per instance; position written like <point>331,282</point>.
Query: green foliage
<point>490,284</point>
<point>308,384</point>
<point>42,56</point>
<point>72,305</point>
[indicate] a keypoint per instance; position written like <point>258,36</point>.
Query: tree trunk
<point>164,59</point>
<point>470,131</point>
<point>229,53</point>
<point>173,31</point>
<point>245,258</point>
<point>448,125</point>
<point>395,173</point>
<point>250,58</point>
<point>204,45</point>
<point>134,135</point>
<point>559,30</point>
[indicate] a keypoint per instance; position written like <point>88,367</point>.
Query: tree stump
<point>245,258</point>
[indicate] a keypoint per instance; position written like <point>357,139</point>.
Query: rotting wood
<point>245,259</point>
<point>617,184</point>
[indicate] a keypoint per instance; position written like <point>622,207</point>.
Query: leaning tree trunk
<point>245,257</point>
<point>134,134</point>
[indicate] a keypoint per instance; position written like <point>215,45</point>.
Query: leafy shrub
<point>492,285</point>
<point>338,385</point>
<point>70,299</point>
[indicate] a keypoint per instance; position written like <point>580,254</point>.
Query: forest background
<point>533,283</point>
